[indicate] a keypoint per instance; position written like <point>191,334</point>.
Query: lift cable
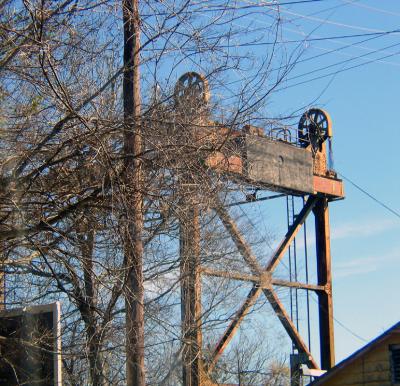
<point>245,213</point>
<point>289,222</point>
<point>293,272</point>
<point>307,281</point>
<point>296,279</point>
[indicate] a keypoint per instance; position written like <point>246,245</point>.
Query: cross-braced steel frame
<point>263,282</point>
<point>325,188</point>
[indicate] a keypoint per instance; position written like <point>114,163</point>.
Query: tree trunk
<point>93,335</point>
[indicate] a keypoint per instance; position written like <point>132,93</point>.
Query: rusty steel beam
<point>325,303</point>
<point>227,164</point>
<point>233,326</point>
<point>329,186</point>
<point>241,244</point>
<point>291,233</point>
<point>289,326</point>
<point>190,295</point>
<point>230,275</point>
<point>297,285</point>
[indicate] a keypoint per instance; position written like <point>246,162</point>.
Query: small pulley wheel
<point>314,128</point>
<point>191,89</point>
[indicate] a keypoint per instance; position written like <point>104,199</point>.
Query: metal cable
<point>307,281</point>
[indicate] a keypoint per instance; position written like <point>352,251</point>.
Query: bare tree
<point>99,160</point>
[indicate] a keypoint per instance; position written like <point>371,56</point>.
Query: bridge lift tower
<point>293,168</point>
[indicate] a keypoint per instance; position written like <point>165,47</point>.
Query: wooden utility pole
<point>133,199</point>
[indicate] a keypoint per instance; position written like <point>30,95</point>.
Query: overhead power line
<point>294,2</point>
<point>328,52</point>
<point>373,35</point>
<point>306,40</point>
<point>397,214</point>
<point>334,73</point>
<point>325,10</point>
<point>341,324</point>
<point>343,61</point>
<point>218,8</point>
<point>372,9</point>
<point>331,22</point>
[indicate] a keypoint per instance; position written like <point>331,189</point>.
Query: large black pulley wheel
<point>191,89</point>
<point>314,128</point>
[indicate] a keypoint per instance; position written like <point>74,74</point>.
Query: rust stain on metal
<point>228,164</point>
<point>329,186</point>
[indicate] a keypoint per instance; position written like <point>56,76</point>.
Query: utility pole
<point>133,199</point>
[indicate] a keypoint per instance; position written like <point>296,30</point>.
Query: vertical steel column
<point>295,373</point>
<point>325,303</point>
<point>190,293</point>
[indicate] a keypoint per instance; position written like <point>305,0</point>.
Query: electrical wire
<point>313,297</point>
<point>334,73</point>
<point>307,40</point>
<point>219,8</point>
<point>373,35</point>
<point>344,46</point>
<point>324,10</point>
<point>294,2</point>
<point>335,23</point>
<point>343,62</point>
<point>390,63</point>
<point>373,9</point>
<point>397,214</point>
<point>355,44</point>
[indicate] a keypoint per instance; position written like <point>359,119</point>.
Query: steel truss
<point>325,188</point>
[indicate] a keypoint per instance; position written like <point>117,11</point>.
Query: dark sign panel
<point>30,346</point>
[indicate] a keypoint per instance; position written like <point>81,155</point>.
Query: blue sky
<point>363,105</point>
